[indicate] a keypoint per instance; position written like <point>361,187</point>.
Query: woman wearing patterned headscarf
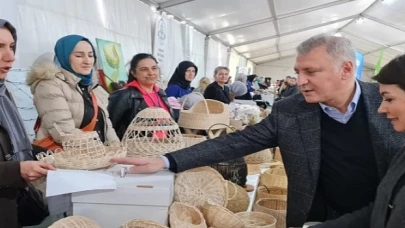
<point>66,92</point>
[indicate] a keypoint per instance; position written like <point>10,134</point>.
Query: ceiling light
<point>170,16</point>
<point>338,34</point>
<point>164,13</point>
<point>387,2</point>
<point>183,22</point>
<point>191,26</point>
<point>361,20</point>
<point>153,8</point>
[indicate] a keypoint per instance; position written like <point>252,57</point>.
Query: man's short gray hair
<point>339,49</point>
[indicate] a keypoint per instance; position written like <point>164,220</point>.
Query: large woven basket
<point>141,223</point>
<point>238,199</point>
<point>264,156</point>
<point>75,222</point>
<point>193,139</point>
<point>204,114</point>
<point>186,216</point>
<point>152,133</point>
<point>274,207</point>
<point>80,161</point>
<point>218,216</point>
<point>200,185</point>
<point>276,193</point>
<point>257,220</point>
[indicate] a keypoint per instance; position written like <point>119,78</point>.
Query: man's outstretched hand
<point>142,165</point>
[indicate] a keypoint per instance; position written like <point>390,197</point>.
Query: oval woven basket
<point>141,223</point>
<point>275,207</point>
<point>75,222</point>
<point>238,198</point>
<point>273,192</point>
<point>193,139</point>
<point>257,220</point>
<point>185,216</point>
<point>70,160</point>
<point>263,156</point>
<point>204,114</point>
<point>152,133</point>
<point>200,185</point>
<point>218,216</point>
<point>270,181</point>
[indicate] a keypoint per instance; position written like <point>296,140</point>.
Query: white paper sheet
<point>63,181</point>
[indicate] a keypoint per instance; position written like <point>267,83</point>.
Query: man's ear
<point>348,69</point>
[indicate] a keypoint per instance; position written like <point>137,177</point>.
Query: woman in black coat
<point>388,209</point>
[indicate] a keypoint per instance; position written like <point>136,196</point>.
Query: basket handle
<point>206,105</point>
<point>234,192</point>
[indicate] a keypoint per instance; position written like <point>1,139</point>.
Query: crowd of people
<point>344,159</point>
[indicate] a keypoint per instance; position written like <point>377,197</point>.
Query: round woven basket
<point>238,199</point>
<point>75,222</point>
<point>273,182</point>
<point>152,133</point>
<point>278,170</point>
<point>218,216</point>
<point>204,114</point>
<point>80,161</point>
<point>274,207</point>
<point>193,139</point>
<point>264,156</point>
<point>200,185</point>
<point>141,223</point>
<point>263,192</point>
<point>257,219</point>
<point>186,216</point>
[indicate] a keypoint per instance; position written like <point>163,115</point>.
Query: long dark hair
<point>134,63</point>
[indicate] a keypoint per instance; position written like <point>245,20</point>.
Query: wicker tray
<point>257,220</point>
<point>75,222</point>
<point>200,185</point>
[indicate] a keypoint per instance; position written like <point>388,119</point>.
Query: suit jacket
<point>295,127</point>
<point>291,90</point>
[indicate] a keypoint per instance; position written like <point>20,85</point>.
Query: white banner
<point>160,47</point>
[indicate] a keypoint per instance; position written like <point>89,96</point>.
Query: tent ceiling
<point>269,30</point>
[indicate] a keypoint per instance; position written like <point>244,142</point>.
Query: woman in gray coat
<point>388,209</point>
<point>14,174</point>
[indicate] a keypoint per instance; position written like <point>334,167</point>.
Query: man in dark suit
<point>334,144</point>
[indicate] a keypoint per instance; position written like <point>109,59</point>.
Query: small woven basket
<point>218,216</point>
<point>274,183</point>
<point>152,133</point>
<point>264,156</point>
<point>141,223</point>
<point>204,114</point>
<point>75,222</point>
<point>277,193</point>
<point>193,139</point>
<point>278,170</point>
<point>238,199</point>
<point>186,216</point>
<point>257,220</point>
<point>274,207</point>
<point>200,185</point>
<point>80,161</point>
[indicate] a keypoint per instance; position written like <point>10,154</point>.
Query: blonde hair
<point>204,82</point>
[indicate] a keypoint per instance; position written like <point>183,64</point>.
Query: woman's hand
<point>142,165</point>
<point>33,170</point>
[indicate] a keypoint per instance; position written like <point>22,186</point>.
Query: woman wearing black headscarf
<point>179,83</point>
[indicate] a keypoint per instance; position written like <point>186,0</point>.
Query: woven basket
<point>193,139</point>
<point>186,216</point>
<point>271,181</point>
<point>278,170</point>
<point>220,217</point>
<point>257,220</point>
<point>277,155</point>
<point>152,133</point>
<point>204,114</point>
<point>264,156</point>
<point>75,222</point>
<point>274,207</point>
<point>200,185</point>
<point>277,193</point>
<point>238,199</point>
<point>79,161</point>
<point>141,223</point>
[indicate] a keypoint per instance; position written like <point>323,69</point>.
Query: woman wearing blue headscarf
<point>66,93</point>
